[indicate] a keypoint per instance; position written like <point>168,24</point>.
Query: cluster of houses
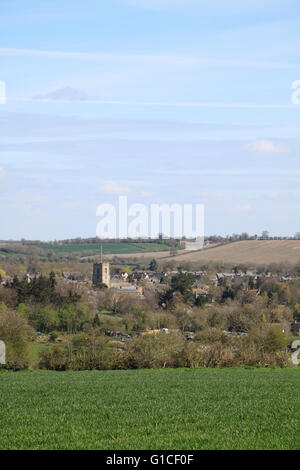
<point>133,284</point>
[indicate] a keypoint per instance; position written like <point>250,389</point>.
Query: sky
<point>165,101</point>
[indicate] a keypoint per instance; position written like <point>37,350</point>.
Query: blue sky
<point>176,101</point>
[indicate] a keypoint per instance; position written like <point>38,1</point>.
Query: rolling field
<point>251,252</point>
<point>108,248</point>
<point>151,409</point>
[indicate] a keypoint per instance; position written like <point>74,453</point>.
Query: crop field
<point>108,248</point>
<point>250,251</point>
<point>151,409</point>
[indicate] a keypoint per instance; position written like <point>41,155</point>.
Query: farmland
<point>11,250</point>
<point>151,409</point>
<point>108,248</point>
<point>252,252</point>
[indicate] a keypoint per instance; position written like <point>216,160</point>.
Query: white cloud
<point>273,195</point>
<point>266,147</point>
<point>213,196</point>
<point>113,187</point>
<point>243,209</point>
<point>72,204</point>
<point>63,94</point>
<point>146,194</point>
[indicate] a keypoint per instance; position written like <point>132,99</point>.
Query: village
<point>135,283</point>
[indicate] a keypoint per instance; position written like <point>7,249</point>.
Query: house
<point>126,288</point>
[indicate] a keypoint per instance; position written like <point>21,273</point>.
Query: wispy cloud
<point>266,147</point>
<point>146,194</point>
<point>195,7</point>
<point>237,172</point>
<point>173,104</point>
<point>156,58</point>
<point>159,59</point>
<point>113,187</point>
<point>214,196</point>
<point>243,209</point>
<point>273,195</point>
<point>18,125</point>
<point>63,94</point>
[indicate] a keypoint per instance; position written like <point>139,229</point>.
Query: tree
<point>2,274</point>
<point>297,268</point>
<point>228,293</point>
<point>265,235</point>
<point>183,283</point>
<point>173,250</point>
<point>126,269</point>
<point>100,285</point>
<point>238,322</point>
<point>275,339</point>
<point>47,319</point>
<point>153,265</point>
<point>16,333</point>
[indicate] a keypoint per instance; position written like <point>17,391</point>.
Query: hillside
<point>252,251</point>
<point>113,248</point>
<point>249,251</point>
<point>80,250</point>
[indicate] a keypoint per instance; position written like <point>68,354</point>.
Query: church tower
<point>101,272</point>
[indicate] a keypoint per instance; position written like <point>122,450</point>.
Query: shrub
<point>53,336</point>
<point>274,340</point>
<point>156,351</point>
<point>16,333</point>
<point>53,359</point>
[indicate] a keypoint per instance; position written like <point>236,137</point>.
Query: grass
<point>151,409</point>
<point>108,248</point>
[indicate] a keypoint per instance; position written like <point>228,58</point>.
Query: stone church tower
<point>101,274</point>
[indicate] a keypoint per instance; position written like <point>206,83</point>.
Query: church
<point>101,273</point>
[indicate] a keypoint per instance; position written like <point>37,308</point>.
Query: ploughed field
<point>253,252</point>
<point>151,409</point>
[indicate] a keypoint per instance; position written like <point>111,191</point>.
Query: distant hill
<point>253,252</point>
<point>79,250</point>
<point>107,248</point>
<point>248,251</point>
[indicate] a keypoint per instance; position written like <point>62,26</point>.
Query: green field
<point>108,248</point>
<point>151,409</point>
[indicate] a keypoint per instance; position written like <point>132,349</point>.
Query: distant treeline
<point>245,236</point>
<point>96,240</point>
<point>160,239</point>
